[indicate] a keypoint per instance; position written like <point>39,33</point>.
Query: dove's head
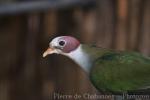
<point>62,45</point>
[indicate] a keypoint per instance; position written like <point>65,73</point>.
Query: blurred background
<point>27,26</point>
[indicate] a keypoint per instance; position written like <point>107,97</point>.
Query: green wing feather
<point>121,72</point>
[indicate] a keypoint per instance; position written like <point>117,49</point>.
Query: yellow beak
<point>49,51</point>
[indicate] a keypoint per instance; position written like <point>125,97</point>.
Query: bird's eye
<point>62,43</point>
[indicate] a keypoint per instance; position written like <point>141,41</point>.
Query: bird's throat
<point>81,58</point>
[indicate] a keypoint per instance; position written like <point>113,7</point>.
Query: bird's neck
<point>85,55</point>
<point>81,58</point>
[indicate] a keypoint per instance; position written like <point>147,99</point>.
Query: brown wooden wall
<point>25,75</point>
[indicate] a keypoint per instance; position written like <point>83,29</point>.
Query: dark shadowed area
<point>26,28</point>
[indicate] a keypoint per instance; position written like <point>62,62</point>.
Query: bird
<point>108,70</point>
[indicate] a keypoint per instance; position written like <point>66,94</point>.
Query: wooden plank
<point>121,28</point>
<point>144,40</point>
<point>105,23</point>
<point>134,23</point>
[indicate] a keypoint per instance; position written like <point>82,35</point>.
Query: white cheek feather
<point>54,42</point>
<point>80,58</point>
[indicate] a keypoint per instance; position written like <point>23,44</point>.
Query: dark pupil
<point>61,43</point>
